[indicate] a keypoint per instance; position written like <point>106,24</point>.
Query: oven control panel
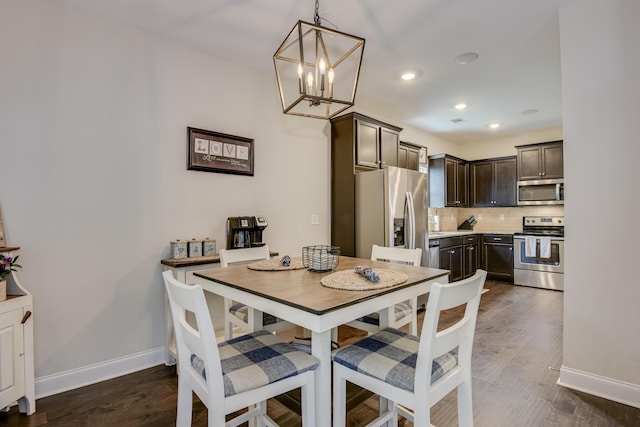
<point>543,221</point>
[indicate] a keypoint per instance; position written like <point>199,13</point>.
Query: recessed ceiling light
<point>527,112</point>
<point>466,58</point>
<point>460,106</point>
<point>408,74</point>
<point>494,125</point>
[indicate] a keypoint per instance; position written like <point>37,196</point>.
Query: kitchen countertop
<point>444,234</point>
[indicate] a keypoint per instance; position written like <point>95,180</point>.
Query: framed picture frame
<point>210,151</point>
<point>3,241</point>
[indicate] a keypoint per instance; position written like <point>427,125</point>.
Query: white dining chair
<point>399,314</point>
<point>238,314</point>
<point>411,373</point>
<point>240,373</point>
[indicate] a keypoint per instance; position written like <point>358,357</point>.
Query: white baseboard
<point>80,377</point>
<point>608,388</point>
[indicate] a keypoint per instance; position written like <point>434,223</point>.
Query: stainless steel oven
<point>538,253</point>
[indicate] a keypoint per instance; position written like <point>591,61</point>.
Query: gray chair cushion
<point>390,356</point>
<point>400,310</point>
<point>255,360</point>
<point>241,311</point>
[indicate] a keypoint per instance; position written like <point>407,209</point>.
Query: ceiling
<point>518,69</point>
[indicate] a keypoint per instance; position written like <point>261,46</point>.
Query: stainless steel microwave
<point>541,192</point>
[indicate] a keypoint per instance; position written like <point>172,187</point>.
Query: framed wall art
<point>3,241</point>
<point>218,152</point>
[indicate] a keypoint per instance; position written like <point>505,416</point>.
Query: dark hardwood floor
<point>517,351</point>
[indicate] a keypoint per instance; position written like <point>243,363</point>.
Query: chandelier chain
<point>316,17</point>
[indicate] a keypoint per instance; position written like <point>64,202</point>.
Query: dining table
<point>299,296</point>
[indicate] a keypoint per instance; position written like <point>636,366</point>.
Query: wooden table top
<point>302,288</point>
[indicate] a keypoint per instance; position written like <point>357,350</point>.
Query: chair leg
<point>185,403</point>
<point>339,398</point>
<point>422,416</point>
<point>465,404</point>
<point>413,326</point>
<point>388,406</point>
<point>258,421</point>
<point>228,326</point>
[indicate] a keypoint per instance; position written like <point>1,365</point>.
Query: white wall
<point>600,69</point>
<point>93,119</point>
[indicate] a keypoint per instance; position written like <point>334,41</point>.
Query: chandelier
<point>317,70</point>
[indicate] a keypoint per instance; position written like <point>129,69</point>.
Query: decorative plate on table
<point>349,280</point>
<point>276,265</point>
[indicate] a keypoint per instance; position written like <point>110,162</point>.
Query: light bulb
<point>310,82</point>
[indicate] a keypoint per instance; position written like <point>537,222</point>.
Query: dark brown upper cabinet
<point>448,181</point>
<point>493,182</point>
<point>409,156</point>
<point>376,143</point>
<point>540,161</point>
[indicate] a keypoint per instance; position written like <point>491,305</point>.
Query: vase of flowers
<point>7,265</point>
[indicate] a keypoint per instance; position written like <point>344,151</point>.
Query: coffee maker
<point>245,231</point>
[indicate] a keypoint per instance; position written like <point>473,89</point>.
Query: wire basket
<point>320,257</point>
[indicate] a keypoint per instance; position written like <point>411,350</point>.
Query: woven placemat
<point>349,280</point>
<point>276,265</point>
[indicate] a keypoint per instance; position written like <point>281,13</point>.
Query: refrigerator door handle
<point>411,219</point>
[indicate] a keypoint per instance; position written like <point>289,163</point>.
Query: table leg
<point>321,348</point>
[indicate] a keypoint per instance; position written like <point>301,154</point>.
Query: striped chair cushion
<point>255,360</point>
<point>390,355</point>
<point>401,310</point>
<point>241,311</point>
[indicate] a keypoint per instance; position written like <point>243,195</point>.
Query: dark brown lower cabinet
<point>497,256</point>
<point>471,256</point>
<point>451,257</point>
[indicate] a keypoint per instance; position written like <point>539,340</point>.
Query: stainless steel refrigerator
<point>391,210</point>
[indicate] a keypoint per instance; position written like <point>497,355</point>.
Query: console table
<point>17,382</point>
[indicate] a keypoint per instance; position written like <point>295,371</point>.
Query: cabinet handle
<point>497,239</point>
<point>452,251</point>
<point>25,317</point>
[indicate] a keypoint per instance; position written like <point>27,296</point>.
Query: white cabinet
<point>12,356</point>
<point>16,346</point>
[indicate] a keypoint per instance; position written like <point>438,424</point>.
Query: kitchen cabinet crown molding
<point>355,115</point>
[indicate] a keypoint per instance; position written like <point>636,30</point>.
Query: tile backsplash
<point>507,220</point>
